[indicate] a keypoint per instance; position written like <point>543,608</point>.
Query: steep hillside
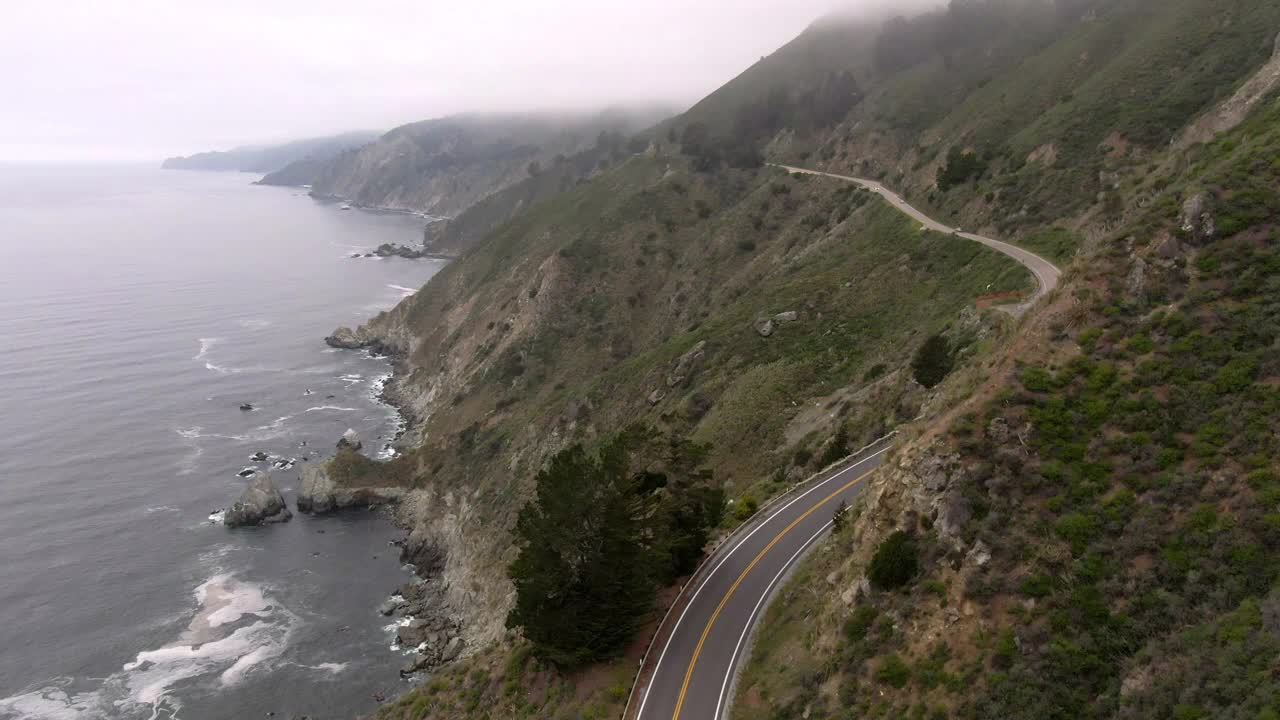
<point>1073,500</point>
<point>573,320</point>
<point>271,158</point>
<point>456,234</point>
<point>1097,536</point>
<point>444,166</point>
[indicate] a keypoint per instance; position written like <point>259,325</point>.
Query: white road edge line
<point>723,560</point>
<point>751,619</point>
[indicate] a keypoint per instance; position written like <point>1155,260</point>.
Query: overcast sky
<point>142,79</point>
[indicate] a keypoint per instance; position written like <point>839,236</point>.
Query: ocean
<point>139,309</point>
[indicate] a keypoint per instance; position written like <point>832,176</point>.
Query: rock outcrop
<point>423,552</point>
<point>687,365</point>
<point>401,251</point>
<point>1197,218</point>
<point>261,503</point>
<point>320,494</point>
<point>348,339</point>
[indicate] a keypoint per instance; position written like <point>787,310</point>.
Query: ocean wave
<point>404,290</point>
<point>236,630</point>
<point>319,408</point>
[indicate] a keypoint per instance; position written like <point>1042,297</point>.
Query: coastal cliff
<point>443,166</point>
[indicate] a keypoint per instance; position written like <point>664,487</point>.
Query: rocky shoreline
<point>427,626</point>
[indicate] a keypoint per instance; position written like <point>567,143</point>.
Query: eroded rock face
<point>348,339</point>
<point>423,552</point>
<point>687,365</point>
<point>1197,218</point>
<point>434,233</point>
<point>320,494</point>
<point>261,503</point>
<point>1135,284</point>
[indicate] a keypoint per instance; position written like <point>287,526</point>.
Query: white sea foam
<point>206,344</point>
<point>404,290</point>
<point>329,667</point>
<point>319,408</point>
<point>220,370</point>
<point>190,462</point>
<point>204,649</point>
<point>255,323</point>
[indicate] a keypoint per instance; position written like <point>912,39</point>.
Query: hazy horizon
<point>145,81</point>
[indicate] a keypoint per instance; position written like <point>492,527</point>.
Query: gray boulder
<point>452,649</point>
<point>350,439</point>
<point>789,316</point>
<point>261,503</point>
<point>764,327</point>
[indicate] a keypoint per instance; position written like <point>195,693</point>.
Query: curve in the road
<point>1046,273</point>
<point>699,656</point>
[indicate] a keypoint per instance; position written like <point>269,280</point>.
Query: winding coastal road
<point>1047,274</point>
<point>690,669</point>
<point>703,640</point>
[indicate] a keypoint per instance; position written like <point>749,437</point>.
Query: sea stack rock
<point>261,503</point>
<point>317,491</point>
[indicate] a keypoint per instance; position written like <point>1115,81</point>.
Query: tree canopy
<point>603,531</point>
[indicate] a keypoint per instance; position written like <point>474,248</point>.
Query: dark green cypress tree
<point>932,361</point>
<point>583,577</point>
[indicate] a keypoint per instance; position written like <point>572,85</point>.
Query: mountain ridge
<point>269,158</point>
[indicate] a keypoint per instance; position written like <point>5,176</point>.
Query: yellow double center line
<point>684,688</point>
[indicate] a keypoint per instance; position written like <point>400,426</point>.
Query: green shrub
<point>895,562</point>
<point>1037,379</point>
<point>893,671</point>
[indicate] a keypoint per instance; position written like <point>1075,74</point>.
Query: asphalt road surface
<point>703,640</point>
<point>1047,274</point>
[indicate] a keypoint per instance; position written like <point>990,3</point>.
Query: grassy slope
<point>1134,541</point>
